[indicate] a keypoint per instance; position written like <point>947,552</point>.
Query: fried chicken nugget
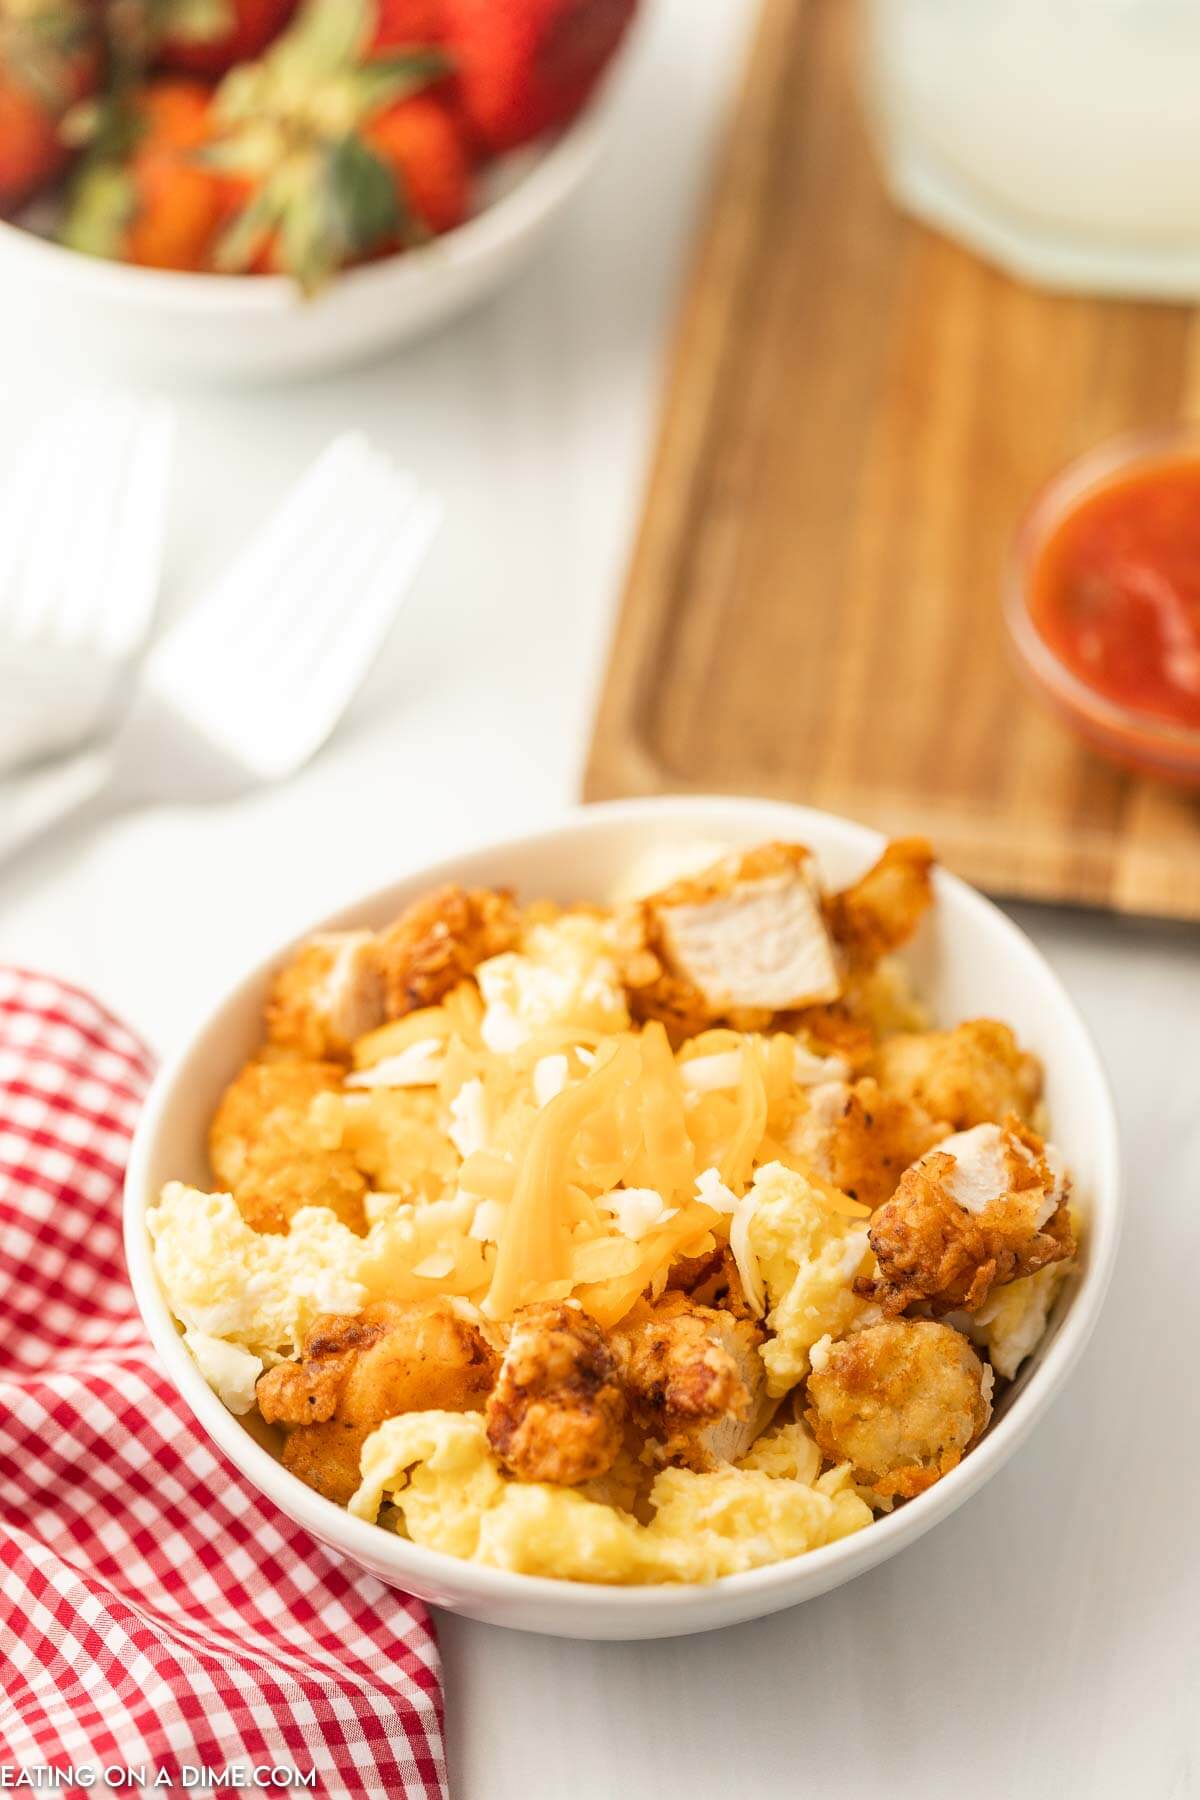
<point>978,1212</point>
<point>440,939</point>
<point>975,1073</point>
<point>328,995</point>
<point>903,1401</point>
<point>695,1381</point>
<point>861,1139</point>
<point>883,908</point>
<point>356,1371</point>
<point>265,1153</point>
<point>557,1412</point>
<point>741,941</point>
<point>341,985</point>
<point>711,1280</point>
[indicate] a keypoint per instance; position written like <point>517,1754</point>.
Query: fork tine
<point>227,618</point>
<point>61,511</point>
<point>339,648</point>
<point>26,502</point>
<point>265,666</point>
<point>129,591</point>
<point>368,515</point>
<point>345,660</point>
<point>300,587</point>
<point>292,583</point>
<point>100,443</point>
<point>389,554</point>
<point>51,531</point>
<point>258,699</point>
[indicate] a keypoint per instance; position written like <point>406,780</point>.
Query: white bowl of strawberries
<point>238,188</point>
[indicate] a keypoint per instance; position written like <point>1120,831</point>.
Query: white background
<point>1046,1640</point>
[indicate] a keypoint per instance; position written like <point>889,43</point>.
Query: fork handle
<point>33,805</point>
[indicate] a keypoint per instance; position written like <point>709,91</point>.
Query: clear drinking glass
<point>1061,138</point>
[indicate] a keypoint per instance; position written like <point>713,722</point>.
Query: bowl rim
<point>1101,467</point>
<point>814,1571</point>
<point>551,175</point>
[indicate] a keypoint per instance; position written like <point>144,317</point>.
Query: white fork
<point>82,520</point>
<point>248,686</point>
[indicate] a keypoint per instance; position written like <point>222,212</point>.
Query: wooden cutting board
<point>858,414</point>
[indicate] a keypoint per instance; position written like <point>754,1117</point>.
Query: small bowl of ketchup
<point>1103,600</point>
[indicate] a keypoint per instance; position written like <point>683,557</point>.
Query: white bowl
<point>233,327</point>
<point>971,961</point>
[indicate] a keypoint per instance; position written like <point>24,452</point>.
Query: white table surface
<point>1045,1641</point>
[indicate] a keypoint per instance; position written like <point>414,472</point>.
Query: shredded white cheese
<point>707,1074</point>
<point>549,1078</point>
<point>637,1210</point>
<point>488,1222</point>
<point>745,1258</point>
<point>815,1071</point>
<point>435,1267</point>
<point>713,1192</point>
<point>420,1065</point>
<point>468,1113</point>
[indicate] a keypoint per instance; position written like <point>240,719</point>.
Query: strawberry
<point>50,60</point>
<point>527,66</point>
<point>207,37</point>
<point>400,24</point>
<point>344,148</point>
<point>159,204</point>
<point>421,142</point>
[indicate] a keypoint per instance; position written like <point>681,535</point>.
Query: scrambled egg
<point>259,1291</point>
<point>231,1372</point>
<point>262,1292</point>
<point>449,1488</point>
<point>788,1451</point>
<point>805,1255</point>
<point>564,973</point>
<point>1010,1324</point>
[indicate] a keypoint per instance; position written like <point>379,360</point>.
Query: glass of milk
<point>1061,138</point>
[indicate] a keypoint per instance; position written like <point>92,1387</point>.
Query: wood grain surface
<point>858,415</point>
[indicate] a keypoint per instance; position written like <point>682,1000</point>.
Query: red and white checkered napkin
<point>155,1610</point>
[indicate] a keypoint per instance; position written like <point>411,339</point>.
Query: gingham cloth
<point>156,1613</point>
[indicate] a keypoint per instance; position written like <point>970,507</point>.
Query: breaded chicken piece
<point>440,939</point>
<point>557,1411</point>
<point>328,995</point>
<point>981,1210</point>
<point>861,1139</point>
<point>711,1280</point>
<point>695,1381</point>
<point>342,985</point>
<point>903,1401</point>
<point>838,1029</point>
<point>264,1152</point>
<point>742,941</point>
<point>356,1371</point>
<point>974,1073</point>
<point>883,908</point>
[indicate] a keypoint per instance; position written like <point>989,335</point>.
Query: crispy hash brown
<point>633,1243</point>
